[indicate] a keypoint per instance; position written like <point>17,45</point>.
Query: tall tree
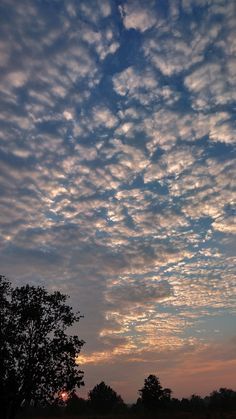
<point>37,356</point>
<point>103,398</point>
<point>152,395</point>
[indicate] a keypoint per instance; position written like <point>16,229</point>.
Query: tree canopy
<point>37,356</point>
<point>103,398</point>
<point>152,395</point>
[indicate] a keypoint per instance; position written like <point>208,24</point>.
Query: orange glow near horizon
<point>64,396</point>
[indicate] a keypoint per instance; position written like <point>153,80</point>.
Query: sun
<point>64,396</point>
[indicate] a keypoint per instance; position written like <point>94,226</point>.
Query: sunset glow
<point>64,396</point>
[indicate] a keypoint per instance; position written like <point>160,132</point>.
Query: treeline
<point>154,400</point>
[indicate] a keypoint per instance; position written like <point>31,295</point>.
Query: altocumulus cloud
<point>117,141</point>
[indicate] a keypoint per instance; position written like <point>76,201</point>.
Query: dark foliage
<point>37,357</point>
<point>155,398</point>
<point>219,401</point>
<point>76,405</point>
<point>224,399</point>
<point>103,398</point>
<point>152,395</point>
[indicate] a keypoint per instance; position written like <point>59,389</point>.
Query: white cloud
<point>172,164</point>
<point>68,115</point>
<point>136,15</point>
<point>211,84</point>
<point>165,127</point>
<point>225,225</point>
<point>104,117</point>
<point>172,52</point>
<point>93,11</point>
<point>221,128</point>
<point>17,78</point>
<point>129,82</point>
<point>104,42</point>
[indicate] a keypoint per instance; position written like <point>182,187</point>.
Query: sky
<point>117,169</point>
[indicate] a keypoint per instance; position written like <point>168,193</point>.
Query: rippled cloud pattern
<point>117,178</point>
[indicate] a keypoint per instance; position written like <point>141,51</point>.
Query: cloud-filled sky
<point>117,169</point>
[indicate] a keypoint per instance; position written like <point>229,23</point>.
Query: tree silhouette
<point>37,357</point>
<point>103,398</point>
<point>196,402</point>
<point>152,395</point>
<point>223,399</point>
<point>76,405</point>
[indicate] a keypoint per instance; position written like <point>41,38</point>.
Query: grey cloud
<point>138,293</point>
<point>32,263</point>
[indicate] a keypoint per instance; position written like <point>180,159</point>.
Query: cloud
<point>16,78</point>
<point>172,51</point>
<point>95,10</point>
<point>129,82</point>
<point>136,15</point>
<point>172,163</point>
<point>226,225</point>
<point>207,360</point>
<point>131,293</point>
<point>143,86</point>
<point>211,85</point>
<point>117,173</point>
<point>104,117</point>
<point>104,42</point>
<point>68,115</point>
